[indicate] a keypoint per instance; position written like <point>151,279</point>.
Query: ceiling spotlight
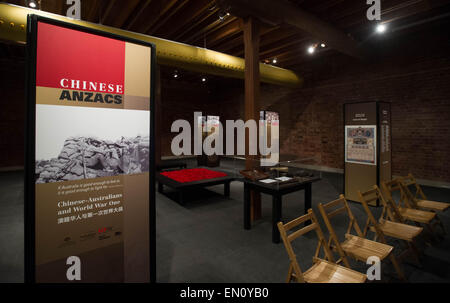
<point>223,15</point>
<point>32,4</point>
<point>311,49</point>
<point>175,74</point>
<point>381,28</point>
<point>274,61</point>
<point>204,79</point>
<point>322,45</point>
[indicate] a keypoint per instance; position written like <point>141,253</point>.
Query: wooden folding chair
<point>418,199</point>
<point>404,211</point>
<point>322,271</point>
<point>385,226</point>
<point>355,246</point>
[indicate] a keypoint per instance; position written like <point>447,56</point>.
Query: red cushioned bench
<point>193,178</point>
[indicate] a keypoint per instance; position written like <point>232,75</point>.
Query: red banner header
<point>76,60</point>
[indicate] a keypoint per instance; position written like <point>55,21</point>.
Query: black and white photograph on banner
<point>121,144</point>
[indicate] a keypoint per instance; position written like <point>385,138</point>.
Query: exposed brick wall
<point>180,99</point>
<point>413,76</point>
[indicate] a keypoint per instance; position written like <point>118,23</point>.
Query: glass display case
<point>289,170</point>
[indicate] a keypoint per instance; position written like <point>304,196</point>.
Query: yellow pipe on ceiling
<point>13,20</point>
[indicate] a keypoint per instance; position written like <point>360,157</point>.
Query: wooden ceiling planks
<point>204,19</point>
<point>136,14</point>
<point>159,13</point>
<point>188,15</point>
<point>197,21</point>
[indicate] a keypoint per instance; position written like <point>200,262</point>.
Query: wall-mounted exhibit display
<point>212,124</point>
<point>201,131</point>
<point>208,126</point>
<point>367,147</point>
<point>90,160</point>
<point>270,120</point>
<point>212,129</point>
<point>360,144</point>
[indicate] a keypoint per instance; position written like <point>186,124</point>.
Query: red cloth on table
<point>192,174</point>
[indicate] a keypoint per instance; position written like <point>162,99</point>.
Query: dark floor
<point>204,241</point>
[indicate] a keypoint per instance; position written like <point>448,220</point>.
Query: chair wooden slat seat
<point>398,230</point>
<point>355,246</point>
<point>417,215</point>
<point>418,198</point>
<point>362,248</point>
<point>326,272</point>
<point>432,205</point>
<point>322,271</point>
<point>407,208</point>
<point>391,223</point>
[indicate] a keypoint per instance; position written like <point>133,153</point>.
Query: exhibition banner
<point>92,200</point>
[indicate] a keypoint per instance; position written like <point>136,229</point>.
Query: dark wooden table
<point>181,188</point>
<point>277,191</point>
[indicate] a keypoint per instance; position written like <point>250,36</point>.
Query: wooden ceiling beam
<point>196,9</point>
<point>295,52</point>
<point>287,53</point>
<point>236,34</point>
<point>274,37</point>
<point>137,14</point>
<point>282,11</point>
<point>93,14</point>
<point>294,57</point>
<point>279,43</point>
<point>123,14</point>
<point>273,52</point>
<point>237,42</point>
<point>105,14</point>
<point>220,34</point>
<point>208,14</point>
<point>163,10</point>
<point>60,8</point>
<point>230,44</point>
<point>217,44</point>
<point>215,25</point>
<point>169,15</point>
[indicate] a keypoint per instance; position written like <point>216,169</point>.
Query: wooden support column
<point>158,115</point>
<point>252,83</point>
